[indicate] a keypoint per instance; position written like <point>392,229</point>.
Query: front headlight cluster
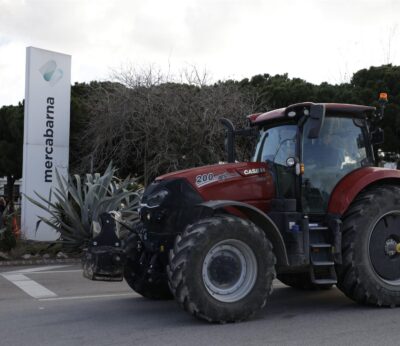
<point>155,199</point>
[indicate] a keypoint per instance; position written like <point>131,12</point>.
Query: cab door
<point>279,148</point>
<point>339,150</point>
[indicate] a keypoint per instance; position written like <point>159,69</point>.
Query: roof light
<point>383,97</point>
<point>291,114</point>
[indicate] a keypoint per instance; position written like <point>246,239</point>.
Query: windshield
<point>276,144</point>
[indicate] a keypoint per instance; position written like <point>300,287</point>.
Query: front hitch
<point>104,258</point>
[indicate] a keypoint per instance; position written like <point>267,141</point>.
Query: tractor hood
<point>249,182</point>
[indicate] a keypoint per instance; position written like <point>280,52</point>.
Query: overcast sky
<point>312,39</point>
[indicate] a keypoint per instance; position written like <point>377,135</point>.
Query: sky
<point>316,40</point>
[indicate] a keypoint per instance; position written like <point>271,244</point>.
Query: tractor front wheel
<point>370,272</point>
<point>221,269</point>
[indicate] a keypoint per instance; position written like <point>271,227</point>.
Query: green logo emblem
<point>51,73</point>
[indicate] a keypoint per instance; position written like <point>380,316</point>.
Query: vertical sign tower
<point>46,132</point>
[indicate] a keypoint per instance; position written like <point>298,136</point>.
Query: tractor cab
<point>310,149</point>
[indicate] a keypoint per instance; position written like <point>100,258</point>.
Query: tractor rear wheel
<point>301,281</point>
<point>370,272</point>
<point>221,269</point>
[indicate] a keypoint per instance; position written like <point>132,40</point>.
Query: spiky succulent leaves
<point>75,204</point>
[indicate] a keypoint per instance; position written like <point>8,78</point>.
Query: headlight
<point>155,199</point>
<point>96,228</point>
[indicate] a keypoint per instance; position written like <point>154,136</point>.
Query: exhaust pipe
<point>230,138</point>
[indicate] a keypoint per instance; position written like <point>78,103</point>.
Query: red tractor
<point>311,208</point>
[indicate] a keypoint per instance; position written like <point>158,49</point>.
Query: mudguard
<point>259,218</point>
<point>352,184</point>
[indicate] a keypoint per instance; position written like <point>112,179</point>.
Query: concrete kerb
<point>40,261</point>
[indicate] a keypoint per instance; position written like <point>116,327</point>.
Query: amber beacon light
<point>383,97</point>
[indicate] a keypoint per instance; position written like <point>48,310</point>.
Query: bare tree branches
<point>149,124</point>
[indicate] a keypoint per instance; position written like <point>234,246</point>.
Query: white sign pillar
<point>46,132</point>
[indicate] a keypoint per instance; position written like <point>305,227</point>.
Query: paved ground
<point>55,305</point>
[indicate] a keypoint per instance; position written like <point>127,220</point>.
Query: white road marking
<point>37,269</point>
<point>36,290</point>
<point>92,297</point>
<point>58,271</point>
<point>29,286</point>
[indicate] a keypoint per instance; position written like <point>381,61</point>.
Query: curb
<point>40,261</point>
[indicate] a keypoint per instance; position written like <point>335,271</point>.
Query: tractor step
<point>320,245</point>
<point>322,265</point>
<point>323,274</point>
<point>325,281</point>
<point>318,228</point>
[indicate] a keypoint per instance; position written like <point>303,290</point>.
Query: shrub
<point>7,236</point>
<point>75,205</point>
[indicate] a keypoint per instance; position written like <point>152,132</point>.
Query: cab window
<point>277,144</point>
<point>338,150</point>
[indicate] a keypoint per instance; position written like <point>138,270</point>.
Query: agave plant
<point>75,205</point>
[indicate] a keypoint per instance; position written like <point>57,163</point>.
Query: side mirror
<point>377,136</point>
<point>317,116</point>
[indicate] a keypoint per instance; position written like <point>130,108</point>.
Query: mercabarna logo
<point>51,73</point>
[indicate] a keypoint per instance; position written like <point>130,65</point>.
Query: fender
<point>259,218</point>
<point>352,184</point>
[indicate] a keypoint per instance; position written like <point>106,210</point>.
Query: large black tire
<point>301,281</point>
<point>136,278</point>
<point>203,264</point>
<point>369,275</point>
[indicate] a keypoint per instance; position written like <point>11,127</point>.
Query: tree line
<point>149,124</point>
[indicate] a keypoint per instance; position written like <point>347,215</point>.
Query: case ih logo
<point>254,171</point>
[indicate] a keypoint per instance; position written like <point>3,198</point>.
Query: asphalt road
<point>55,305</point>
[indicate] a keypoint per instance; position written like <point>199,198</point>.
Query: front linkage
<point>104,258</point>
<point>108,258</point>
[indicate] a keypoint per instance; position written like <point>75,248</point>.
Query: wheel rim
<point>229,270</point>
<point>384,248</point>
